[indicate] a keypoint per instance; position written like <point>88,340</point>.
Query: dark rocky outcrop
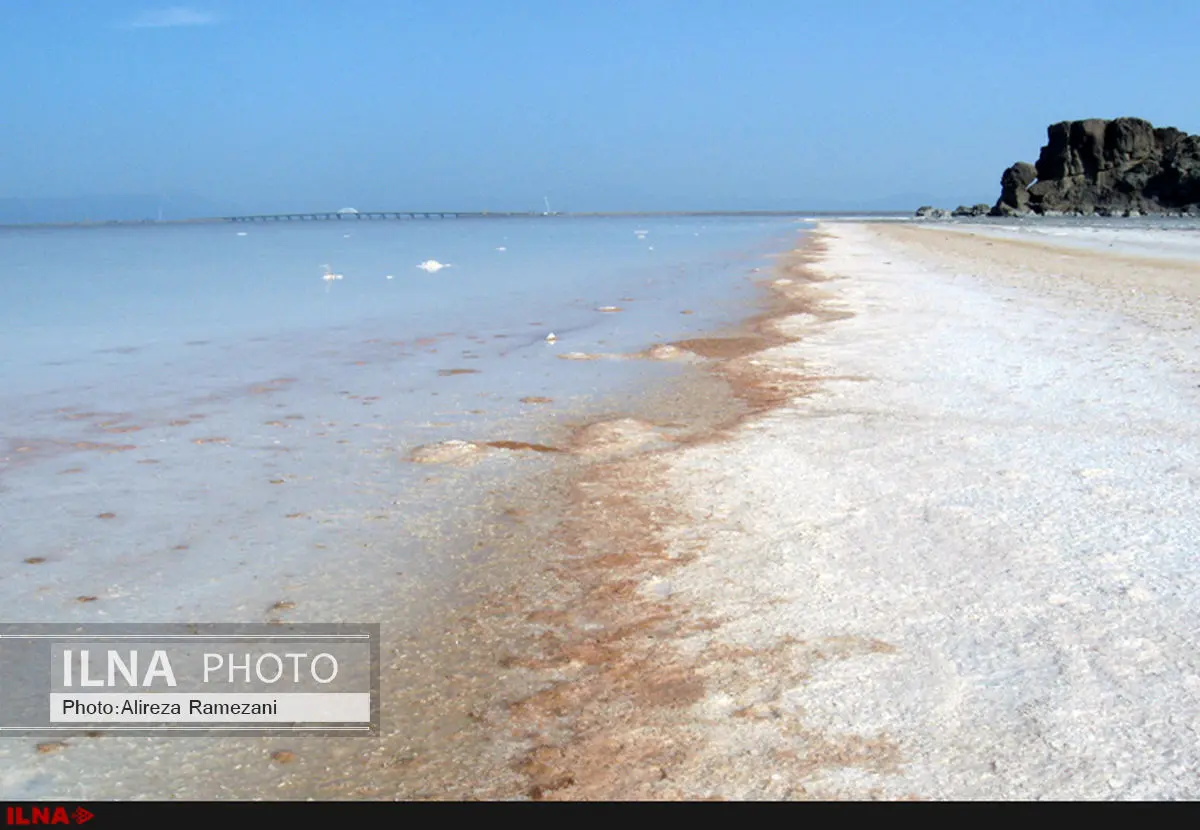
<point>974,210</point>
<point>1123,167</point>
<point>1014,189</point>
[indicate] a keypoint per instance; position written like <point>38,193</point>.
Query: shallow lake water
<point>197,425</point>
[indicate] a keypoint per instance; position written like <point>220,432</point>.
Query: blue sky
<point>277,105</point>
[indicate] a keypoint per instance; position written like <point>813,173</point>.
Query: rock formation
<point>1014,189</point>
<point>1123,167</point>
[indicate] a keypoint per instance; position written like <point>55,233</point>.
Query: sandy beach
<point>946,551</point>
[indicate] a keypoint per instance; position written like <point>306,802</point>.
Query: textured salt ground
<point>946,552</point>
<point>1163,239</point>
<point>1153,275</point>
<point>999,526</point>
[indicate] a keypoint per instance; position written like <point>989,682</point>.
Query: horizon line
<point>456,213</point>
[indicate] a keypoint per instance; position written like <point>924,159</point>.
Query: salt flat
<point>1161,239</point>
<point>971,554</point>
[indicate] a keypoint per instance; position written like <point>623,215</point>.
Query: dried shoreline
<point>883,573</point>
<point>578,685</point>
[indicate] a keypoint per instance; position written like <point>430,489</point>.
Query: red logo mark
<point>47,815</point>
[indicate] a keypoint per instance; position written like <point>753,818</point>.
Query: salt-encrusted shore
<point>966,565</point>
<point>948,550</point>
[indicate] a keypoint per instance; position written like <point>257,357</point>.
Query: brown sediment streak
<point>723,348</point>
<point>793,290</point>
<point>521,445</point>
<point>580,677</point>
<point>24,451</point>
<point>448,372</point>
<point>82,416</point>
<point>620,724</point>
<point>272,385</point>
<point>265,387</point>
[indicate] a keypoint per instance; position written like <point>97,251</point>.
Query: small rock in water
<point>616,437</point>
<point>663,351</point>
<point>446,451</point>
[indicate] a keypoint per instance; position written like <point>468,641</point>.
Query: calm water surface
<point>195,425</point>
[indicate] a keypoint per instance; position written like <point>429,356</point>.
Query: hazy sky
<point>278,105</point>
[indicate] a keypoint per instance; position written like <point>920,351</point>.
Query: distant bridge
<point>321,216</point>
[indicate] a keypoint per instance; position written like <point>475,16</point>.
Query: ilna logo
<point>47,815</point>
